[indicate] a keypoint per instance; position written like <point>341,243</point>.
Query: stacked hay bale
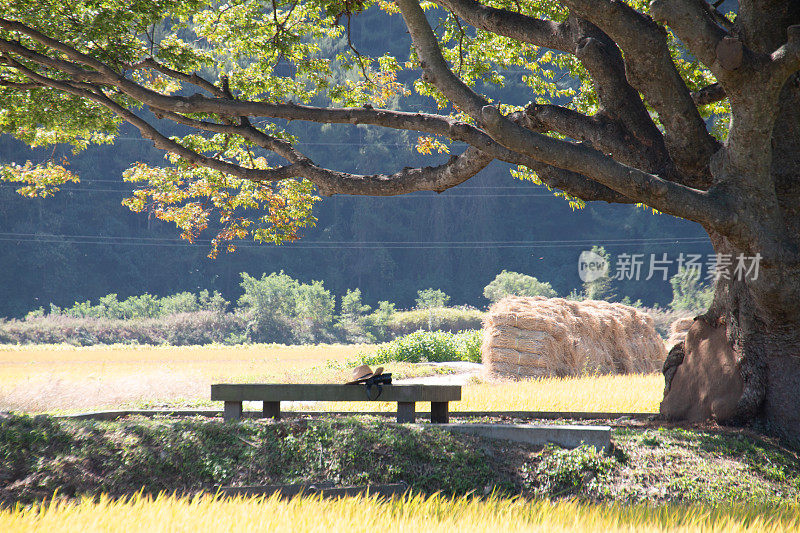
<point>677,331</point>
<point>535,337</point>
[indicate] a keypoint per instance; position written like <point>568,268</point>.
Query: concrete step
<point>566,436</point>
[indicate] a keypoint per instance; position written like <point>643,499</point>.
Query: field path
<point>464,373</point>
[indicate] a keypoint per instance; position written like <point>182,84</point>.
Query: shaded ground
<point>648,464</point>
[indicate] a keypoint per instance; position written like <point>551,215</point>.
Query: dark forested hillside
<point>83,244</point>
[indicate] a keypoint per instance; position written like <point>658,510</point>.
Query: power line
<point>643,240</point>
<point>411,196</point>
<point>349,245</point>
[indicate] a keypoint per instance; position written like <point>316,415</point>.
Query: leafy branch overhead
<point>629,101</point>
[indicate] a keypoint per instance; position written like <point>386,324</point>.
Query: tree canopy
<point>235,73</point>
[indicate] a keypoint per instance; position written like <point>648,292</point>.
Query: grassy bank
<point>648,465</point>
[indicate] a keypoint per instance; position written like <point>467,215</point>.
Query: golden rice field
<point>65,378</point>
<point>43,378</point>
<point>637,393</point>
<point>418,513</point>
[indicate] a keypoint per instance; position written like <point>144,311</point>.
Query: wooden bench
<point>273,394</point>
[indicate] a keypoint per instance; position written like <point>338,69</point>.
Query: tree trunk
<point>740,362</point>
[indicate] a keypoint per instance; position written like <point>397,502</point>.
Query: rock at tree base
<point>708,383</point>
<point>678,330</point>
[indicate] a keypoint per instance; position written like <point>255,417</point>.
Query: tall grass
<point>632,393</point>
<point>36,378</point>
<point>416,513</point>
<point>64,377</point>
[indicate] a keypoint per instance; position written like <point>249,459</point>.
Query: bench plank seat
<point>272,394</point>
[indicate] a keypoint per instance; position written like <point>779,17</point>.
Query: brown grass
<point>535,337</point>
<point>46,378</point>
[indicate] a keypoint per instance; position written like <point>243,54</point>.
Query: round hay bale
<point>535,337</point>
<point>677,331</point>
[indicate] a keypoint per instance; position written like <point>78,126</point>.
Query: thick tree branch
<point>194,78</point>
<point>572,183</point>
<point>663,195</point>
<point>159,140</point>
<point>434,66</point>
<point>433,178</point>
<point>20,85</point>
<point>604,134</point>
<point>546,33</point>
<point>650,69</point>
<point>709,94</point>
<point>439,178</point>
<point>718,17</point>
<point>620,103</point>
<point>247,131</point>
<point>569,182</point>
<point>785,61</point>
<point>694,25</point>
<point>637,185</point>
<point>73,70</point>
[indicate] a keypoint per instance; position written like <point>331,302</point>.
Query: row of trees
<point>279,308</point>
<point>278,295</point>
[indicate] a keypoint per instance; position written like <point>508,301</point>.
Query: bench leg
<point>439,413</point>
<point>272,410</point>
<point>233,411</point>
<point>406,412</point>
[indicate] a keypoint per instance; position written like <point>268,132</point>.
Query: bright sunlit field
<point>367,514</point>
<point>63,378</point>
<point>637,393</point>
<point>41,378</point>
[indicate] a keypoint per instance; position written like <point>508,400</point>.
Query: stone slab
<point>565,436</point>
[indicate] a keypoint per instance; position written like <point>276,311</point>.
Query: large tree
<point>649,79</point>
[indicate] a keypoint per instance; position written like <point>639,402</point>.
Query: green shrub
<point>182,302</point>
<point>688,294</point>
<point>564,472</point>
<point>513,283</point>
<point>451,319</point>
<point>428,346</point>
<point>269,304</point>
<point>353,308</point>
<point>378,323</point>
<point>601,288</point>
<point>139,307</point>
<point>201,327</point>
<point>315,304</point>
<point>430,298</point>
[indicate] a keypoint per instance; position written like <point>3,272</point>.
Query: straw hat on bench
<point>363,373</point>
